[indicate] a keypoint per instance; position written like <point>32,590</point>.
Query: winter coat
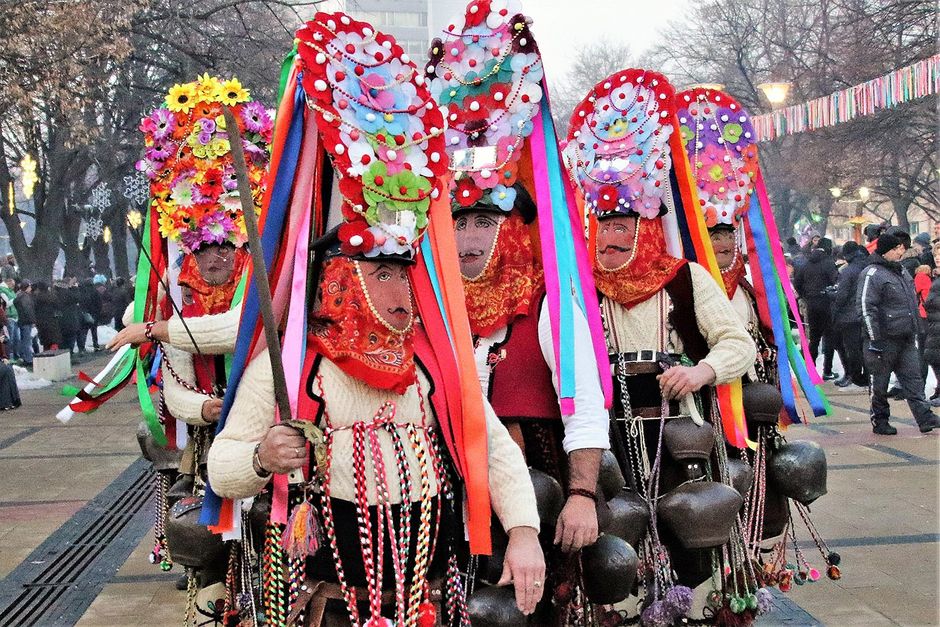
<point>47,319</point>
<point>844,308</point>
<point>887,299</point>
<point>25,308</point>
<point>818,273</point>
<point>932,344</point>
<point>70,314</point>
<point>922,285</point>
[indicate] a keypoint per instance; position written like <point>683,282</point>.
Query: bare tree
<point>592,63</point>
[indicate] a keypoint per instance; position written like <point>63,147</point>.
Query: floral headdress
<point>722,150</point>
<point>381,129</point>
<point>486,75</point>
<point>618,144</point>
<point>188,160</point>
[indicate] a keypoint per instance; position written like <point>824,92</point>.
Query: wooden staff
<point>260,270</point>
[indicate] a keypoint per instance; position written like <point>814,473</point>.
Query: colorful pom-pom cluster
<point>618,143</point>
<point>485,74</point>
<point>188,160</point>
<point>722,150</point>
<point>381,128</point>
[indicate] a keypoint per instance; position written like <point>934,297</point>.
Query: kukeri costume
<point>403,450</point>
<point>486,74</point>
<point>662,311</point>
<point>721,146</point>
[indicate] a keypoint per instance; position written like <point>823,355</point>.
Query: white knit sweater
<point>346,401</point>
<point>731,350</point>
<point>215,333</point>
<point>183,403</point>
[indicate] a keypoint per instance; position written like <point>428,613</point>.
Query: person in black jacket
<point>890,318</point>
<point>847,316</point>
<point>932,343</point>
<point>813,281</point>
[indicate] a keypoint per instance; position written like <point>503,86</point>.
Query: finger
<point>506,576</point>
<point>569,538</point>
<point>523,583</point>
<point>559,529</point>
<point>533,592</point>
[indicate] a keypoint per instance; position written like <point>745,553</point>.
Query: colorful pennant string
<point>915,81</point>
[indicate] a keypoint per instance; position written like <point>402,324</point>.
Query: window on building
<point>915,228</point>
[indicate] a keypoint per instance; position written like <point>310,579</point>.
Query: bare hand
<point>136,334</point>
<point>282,450</point>
<point>577,524</point>
<point>212,409</point>
<point>524,567</point>
<point>680,381</point>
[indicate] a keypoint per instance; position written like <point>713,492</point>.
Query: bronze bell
<point>191,543</point>
<point>741,475</point>
<point>609,569</point>
<point>700,514</point>
<point>609,478</point>
<point>686,440</point>
<point>494,606</point>
<point>798,470</point>
<point>628,518</point>
<point>762,403</point>
<point>549,497</point>
<point>163,458</point>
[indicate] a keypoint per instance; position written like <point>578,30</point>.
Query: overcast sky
<point>562,26</point>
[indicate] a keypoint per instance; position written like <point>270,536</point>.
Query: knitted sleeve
<point>216,333</point>
<point>183,403</point>
<point>511,492</point>
<point>230,470</point>
<point>731,349</point>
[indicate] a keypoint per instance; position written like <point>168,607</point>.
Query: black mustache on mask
<point>470,253</point>
<point>398,310</point>
<point>616,248</point>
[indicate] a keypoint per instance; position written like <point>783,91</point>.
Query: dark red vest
<point>521,382</point>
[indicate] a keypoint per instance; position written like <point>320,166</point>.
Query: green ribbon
<point>140,298</point>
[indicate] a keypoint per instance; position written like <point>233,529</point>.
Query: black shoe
<point>896,393</point>
<point>843,382</point>
<point>883,428</point>
<point>829,376</point>
<point>930,425</point>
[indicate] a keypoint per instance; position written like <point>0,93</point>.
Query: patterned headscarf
<point>346,331</point>
<point>508,284</point>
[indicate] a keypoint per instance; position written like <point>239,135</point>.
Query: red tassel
<point>427,614</point>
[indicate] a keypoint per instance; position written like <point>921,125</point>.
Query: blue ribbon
<point>788,360</point>
<point>271,237</point>
<point>428,254</point>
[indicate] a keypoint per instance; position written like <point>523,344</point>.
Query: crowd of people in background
<point>877,306</point>
<point>37,316</point>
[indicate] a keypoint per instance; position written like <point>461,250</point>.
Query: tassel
<point>302,535</point>
<point>678,601</point>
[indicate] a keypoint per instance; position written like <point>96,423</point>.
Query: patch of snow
<point>26,380</point>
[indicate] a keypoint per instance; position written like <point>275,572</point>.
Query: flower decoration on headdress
<point>618,144</point>
<point>382,130</point>
<point>720,142</point>
<point>486,73</point>
<point>188,159</point>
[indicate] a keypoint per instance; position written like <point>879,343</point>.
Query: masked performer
<point>499,155</point>
<point>198,238</point>
<point>392,449</point>
<point>672,335</point>
<point>720,143</point>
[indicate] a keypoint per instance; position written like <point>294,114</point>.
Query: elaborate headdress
<point>721,145</point>
<point>188,160</point>
<point>618,144</point>
<point>486,74</point>
<point>368,155</point>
